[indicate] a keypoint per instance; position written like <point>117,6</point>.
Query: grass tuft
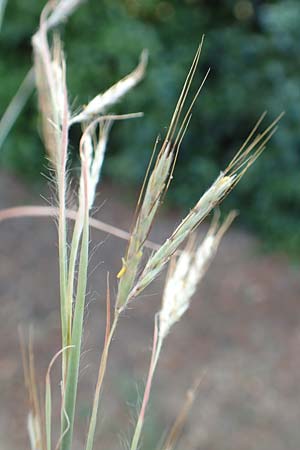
<point>187,267</point>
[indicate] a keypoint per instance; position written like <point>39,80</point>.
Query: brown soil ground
<point>242,334</point>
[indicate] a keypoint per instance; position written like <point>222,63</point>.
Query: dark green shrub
<point>252,49</point>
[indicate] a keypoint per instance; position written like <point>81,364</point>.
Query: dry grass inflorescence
<point>186,266</point>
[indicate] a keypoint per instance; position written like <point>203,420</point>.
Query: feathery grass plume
<point>220,188</point>
<point>101,102</point>
<point>50,77</point>
<point>62,10</point>
<point>154,189</point>
<point>187,272</point>
<point>151,202</point>
<point>51,86</point>
<point>181,283</point>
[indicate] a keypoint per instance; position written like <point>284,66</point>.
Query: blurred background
<point>242,333</point>
<point>252,48</point>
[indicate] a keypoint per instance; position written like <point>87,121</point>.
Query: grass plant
<point>186,267</point>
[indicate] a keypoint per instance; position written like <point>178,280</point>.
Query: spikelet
<point>93,144</point>
<point>51,86</point>
<point>99,154</point>
<point>221,187</point>
<point>154,189</point>
<point>62,10</point>
<point>94,147</point>
<point>101,102</point>
<point>186,274</point>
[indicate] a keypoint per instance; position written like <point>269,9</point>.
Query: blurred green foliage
<point>252,47</point>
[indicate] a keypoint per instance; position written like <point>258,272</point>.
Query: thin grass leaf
<point>51,211</point>
<point>48,400</point>
<point>94,164</point>
<point>66,429</point>
<point>48,413</point>
<point>16,106</point>
<point>102,368</point>
<point>153,363</point>
<point>2,11</point>
<point>77,328</point>
<point>95,148</point>
<point>77,325</point>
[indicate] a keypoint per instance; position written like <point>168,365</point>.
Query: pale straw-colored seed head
<point>144,220</point>
<point>155,187</point>
<point>186,273</point>
<point>58,73</point>
<point>99,154</point>
<point>50,75</point>
<point>62,10</point>
<point>219,189</point>
<point>203,207</point>
<point>93,146</point>
<point>101,102</point>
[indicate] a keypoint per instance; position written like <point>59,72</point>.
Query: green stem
<point>101,374</point>
<point>77,328</point>
<point>157,345</point>
<point>63,279</point>
<point>71,273</point>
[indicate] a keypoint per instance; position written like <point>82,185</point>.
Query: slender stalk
<point>180,420</point>
<point>48,400</point>
<point>16,105</point>
<point>71,272</point>
<point>74,355</point>
<point>62,231</point>
<point>157,345</point>
<point>70,391</point>
<point>49,211</point>
<point>101,374</point>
